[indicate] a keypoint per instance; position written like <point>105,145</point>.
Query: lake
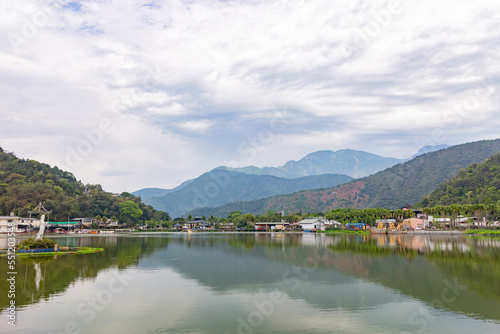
<point>259,283</point>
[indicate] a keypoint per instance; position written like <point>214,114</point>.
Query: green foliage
<point>483,232</point>
<point>130,209</point>
<point>25,183</point>
<point>406,183</point>
<point>32,243</point>
<point>367,216</point>
<point>475,184</point>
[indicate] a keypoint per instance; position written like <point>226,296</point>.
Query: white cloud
<point>195,80</point>
<point>196,126</point>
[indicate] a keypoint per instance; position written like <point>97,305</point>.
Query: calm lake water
<point>260,283</point>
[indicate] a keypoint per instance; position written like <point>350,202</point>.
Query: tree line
<point>25,183</point>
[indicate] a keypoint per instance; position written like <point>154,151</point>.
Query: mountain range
<point>404,183</point>
<point>347,162</point>
<point>223,185</point>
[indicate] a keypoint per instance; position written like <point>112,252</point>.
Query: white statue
<point>42,228</point>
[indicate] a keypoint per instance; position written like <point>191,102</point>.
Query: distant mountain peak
<point>429,149</point>
<point>345,161</point>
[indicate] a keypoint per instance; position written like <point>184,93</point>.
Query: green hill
<point>25,183</point>
<point>476,184</point>
<point>405,183</point>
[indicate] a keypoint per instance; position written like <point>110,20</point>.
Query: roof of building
<point>197,221</point>
<point>312,220</point>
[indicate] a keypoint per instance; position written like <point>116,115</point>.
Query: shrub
<point>32,243</point>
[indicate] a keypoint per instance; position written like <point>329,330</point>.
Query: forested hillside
<point>476,184</point>
<point>392,188</point>
<point>25,183</point>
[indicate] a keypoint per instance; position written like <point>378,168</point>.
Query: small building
<point>441,221</point>
<point>313,224</point>
<point>196,223</point>
<point>271,226</point>
<point>20,224</point>
<point>85,222</point>
<point>62,226</point>
<point>294,227</point>
<point>333,224</point>
<point>205,226</point>
<point>385,221</point>
<point>178,227</point>
<point>415,223</point>
<point>226,226</point>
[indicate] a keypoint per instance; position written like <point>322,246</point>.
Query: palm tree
<point>491,209</point>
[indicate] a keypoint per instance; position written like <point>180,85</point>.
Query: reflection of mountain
<point>41,277</point>
<point>244,263</point>
<point>325,272</point>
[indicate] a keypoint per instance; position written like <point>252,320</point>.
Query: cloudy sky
<point>133,94</point>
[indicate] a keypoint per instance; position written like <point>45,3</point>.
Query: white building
<point>317,224</point>
<point>21,224</point>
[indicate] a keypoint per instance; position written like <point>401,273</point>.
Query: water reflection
<point>337,276</point>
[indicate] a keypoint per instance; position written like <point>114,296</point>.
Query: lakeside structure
<point>25,225</point>
<point>318,224</point>
<point>21,224</point>
<point>314,224</point>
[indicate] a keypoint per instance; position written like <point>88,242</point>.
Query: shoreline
<point>78,251</point>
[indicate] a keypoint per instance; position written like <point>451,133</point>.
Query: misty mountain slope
<point>156,192</point>
<point>429,149</point>
<point>346,162</point>
<point>221,186</point>
<point>405,183</point>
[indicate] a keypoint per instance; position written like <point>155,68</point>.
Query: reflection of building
<point>21,224</point>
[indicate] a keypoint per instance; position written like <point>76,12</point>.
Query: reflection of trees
<point>58,272</point>
<point>416,267</point>
<point>240,240</point>
<point>472,262</point>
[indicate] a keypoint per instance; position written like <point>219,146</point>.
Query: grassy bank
<point>483,232</point>
<point>80,250</point>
